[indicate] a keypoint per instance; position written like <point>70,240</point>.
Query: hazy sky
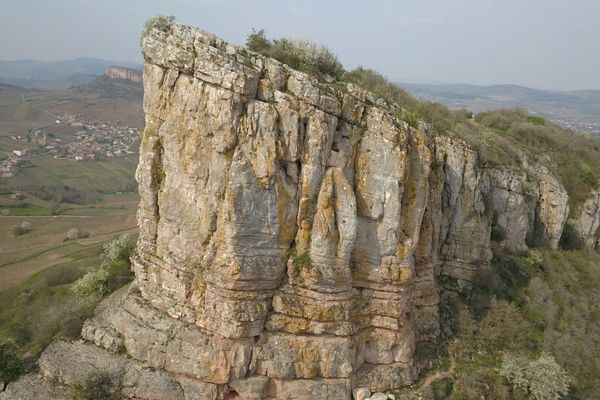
<point>551,44</point>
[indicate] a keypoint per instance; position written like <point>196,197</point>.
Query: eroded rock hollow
<point>292,234</point>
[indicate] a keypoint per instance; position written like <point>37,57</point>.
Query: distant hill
<point>4,86</point>
<point>578,109</point>
<point>56,75</point>
<point>111,88</point>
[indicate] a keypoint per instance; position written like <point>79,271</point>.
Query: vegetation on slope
<point>573,157</point>
<point>529,308</point>
<point>54,303</point>
<point>527,330</point>
<point>298,54</point>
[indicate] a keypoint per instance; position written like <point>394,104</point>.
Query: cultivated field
<point>46,244</point>
<point>98,198</point>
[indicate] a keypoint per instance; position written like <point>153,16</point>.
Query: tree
<point>120,248</point>
<point>11,365</point>
<point>160,22</point>
<point>73,234</point>
<point>22,229</point>
<point>257,41</point>
<point>541,379</point>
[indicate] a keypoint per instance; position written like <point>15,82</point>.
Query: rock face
<point>123,73</point>
<point>589,220</point>
<point>291,234</point>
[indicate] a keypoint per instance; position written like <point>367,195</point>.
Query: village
<point>92,140</point>
<point>591,127</point>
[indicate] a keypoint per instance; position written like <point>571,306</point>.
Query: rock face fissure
<point>292,234</point>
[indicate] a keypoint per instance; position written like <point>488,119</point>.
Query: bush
<point>505,280</point>
<point>22,229</point>
<point>94,283</point>
<point>98,386</point>
<point>73,234</point>
<point>536,120</point>
<point>505,327</point>
<point>301,259</point>
<point>160,22</point>
<point>11,365</point>
<point>570,238</point>
<point>535,240</point>
<point>500,119</point>
<point>410,118</point>
<point>302,55</point>
<point>533,135</point>
<point>51,304</point>
<point>541,379</point>
<point>111,274</point>
<point>120,249</point>
<point>574,158</point>
<point>378,84</point>
<point>498,233</point>
<point>562,302</point>
<point>441,388</point>
<point>257,41</point>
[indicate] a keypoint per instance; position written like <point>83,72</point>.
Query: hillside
<point>579,110</point>
<point>107,88</point>
<point>55,75</point>
<point>51,193</point>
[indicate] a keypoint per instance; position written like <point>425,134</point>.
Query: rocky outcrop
<point>588,220</point>
<point>292,234</point>
<point>126,74</point>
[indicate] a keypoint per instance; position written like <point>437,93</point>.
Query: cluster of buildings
<point>12,165</point>
<point>91,140</point>
<point>591,127</point>
<point>94,140</point>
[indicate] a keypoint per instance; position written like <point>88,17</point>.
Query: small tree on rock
<point>160,22</point>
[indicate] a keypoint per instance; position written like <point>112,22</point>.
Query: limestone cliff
<point>123,73</point>
<point>292,234</point>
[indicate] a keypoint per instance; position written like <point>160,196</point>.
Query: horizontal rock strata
<point>292,234</point>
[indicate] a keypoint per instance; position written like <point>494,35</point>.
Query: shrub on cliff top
<point>160,22</point>
<point>380,86</point>
<point>298,54</point>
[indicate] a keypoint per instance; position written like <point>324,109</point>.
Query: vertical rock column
<point>308,335</point>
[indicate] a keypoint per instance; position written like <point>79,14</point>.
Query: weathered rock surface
<point>589,220</point>
<point>32,387</point>
<point>291,234</point>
